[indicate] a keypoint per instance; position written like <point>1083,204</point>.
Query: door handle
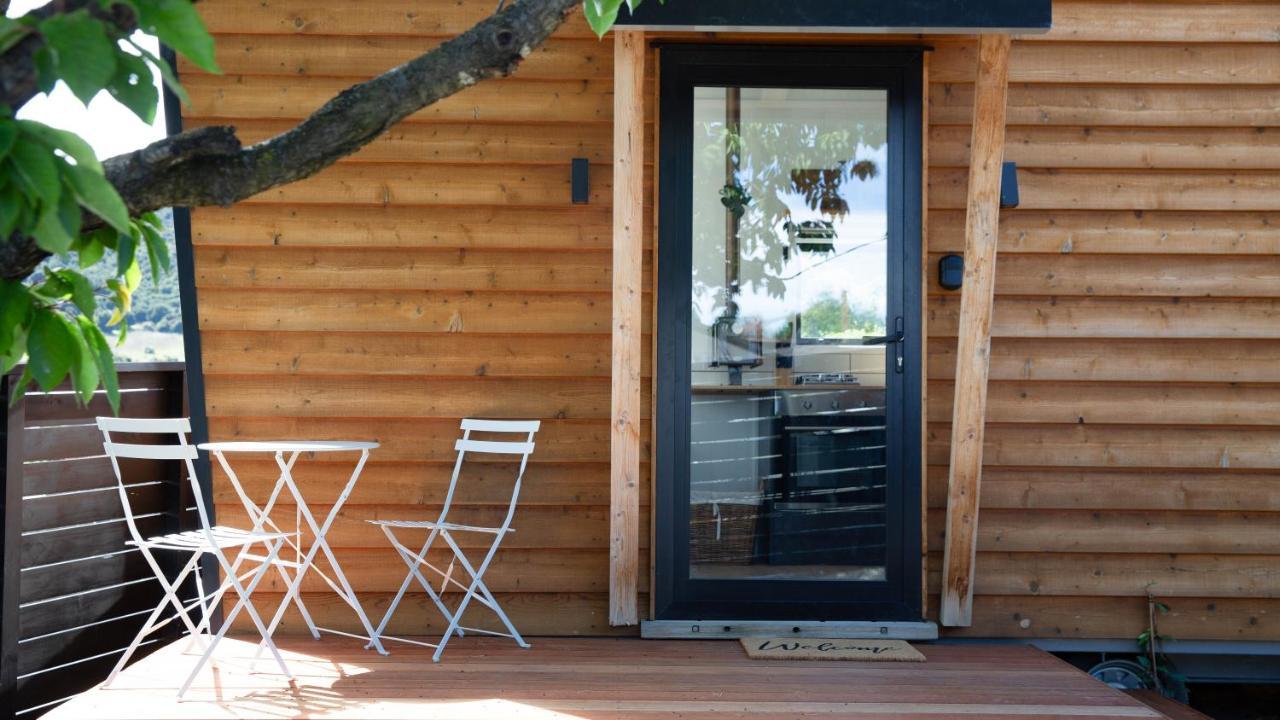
<point>896,339</point>
<point>884,339</point>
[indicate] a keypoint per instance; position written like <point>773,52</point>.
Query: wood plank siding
<point>1127,424</point>
<point>441,273</point>
<point>1133,419</point>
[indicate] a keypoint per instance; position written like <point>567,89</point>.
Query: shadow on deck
<point>598,679</point>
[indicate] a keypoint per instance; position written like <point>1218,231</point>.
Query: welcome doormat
<point>823,649</point>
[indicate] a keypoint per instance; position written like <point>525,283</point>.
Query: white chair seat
<point>198,541</point>
<point>432,524</point>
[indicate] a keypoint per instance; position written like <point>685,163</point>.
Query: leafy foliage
<point>1159,667</point>
<point>602,14</point>
<point>52,189</point>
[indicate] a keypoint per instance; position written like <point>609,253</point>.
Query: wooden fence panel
<point>74,595</point>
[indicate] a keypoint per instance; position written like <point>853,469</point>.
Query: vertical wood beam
<point>628,275</point>
<point>974,346</point>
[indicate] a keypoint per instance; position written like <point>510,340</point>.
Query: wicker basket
<point>722,533</point>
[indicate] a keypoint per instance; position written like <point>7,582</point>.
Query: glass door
<point>788,449</point>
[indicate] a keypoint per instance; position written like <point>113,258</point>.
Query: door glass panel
<point>790,337</point>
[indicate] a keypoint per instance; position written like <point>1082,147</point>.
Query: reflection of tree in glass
<point>830,318</point>
<point>768,163</point>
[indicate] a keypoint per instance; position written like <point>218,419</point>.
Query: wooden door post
<point>628,290</point>
<point>974,346</point>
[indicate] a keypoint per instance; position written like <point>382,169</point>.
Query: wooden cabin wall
<point>1133,434</point>
<point>441,273</point>
<point>1134,419</point>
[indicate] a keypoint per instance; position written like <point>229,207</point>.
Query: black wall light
<point>951,272</point>
<point>580,181</point>
<point>1009,185</point>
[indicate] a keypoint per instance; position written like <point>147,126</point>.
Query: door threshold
<point>731,629</point>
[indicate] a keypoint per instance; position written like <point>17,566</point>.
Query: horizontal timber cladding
<point>442,272</point>
<point>1136,329</point>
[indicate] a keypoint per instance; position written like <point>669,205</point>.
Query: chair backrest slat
<point>150,452</point>
<point>523,448</point>
<point>511,426</point>
<point>144,425</point>
<point>175,429</point>
<point>493,446</point>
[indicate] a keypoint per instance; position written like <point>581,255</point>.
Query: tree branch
<point>204,167</point>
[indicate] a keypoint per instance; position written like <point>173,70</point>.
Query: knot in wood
<point>504,39</point>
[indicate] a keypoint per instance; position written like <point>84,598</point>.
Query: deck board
<point>601,679</point>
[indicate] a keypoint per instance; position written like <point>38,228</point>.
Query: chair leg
<point>150,625</point>
<point>204,605</point>
<point>477,585</point>
<point>502,615</point>
<point>242,603</point>
<point>411,561</point>
<point>133,646</point>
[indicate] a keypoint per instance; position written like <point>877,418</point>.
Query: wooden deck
<point>602,678</point>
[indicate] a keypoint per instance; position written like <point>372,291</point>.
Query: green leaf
<point>54,288</point>
<point>8,135</point>
<point>126,248</point>
<point>11,33</point>
<point>34,167</point>
<point>84,368</point>
<point>20,387</point>
<point>81,290</point>
<point>179,26</point>
<point>133,87</point>
<point>51,348</point>
<point>166,72</point>
<point>11,204</point>
<point>91,250</point>
<point>104,359</point>
<point>15,313</point>
<point>133,276</point>
<point>601,14</point>
<point>68,142</point>
<point>85,55</point>
<point>46,70</point>
<point>157,251</point>
<point>69,214</point>
<point>98,196</point>
<point>50,234</point>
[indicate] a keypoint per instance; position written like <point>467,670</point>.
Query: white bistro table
<point>286,453</point>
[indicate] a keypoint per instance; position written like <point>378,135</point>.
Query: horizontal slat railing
<point>74,594</point>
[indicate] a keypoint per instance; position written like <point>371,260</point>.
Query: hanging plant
<point>736,199</point>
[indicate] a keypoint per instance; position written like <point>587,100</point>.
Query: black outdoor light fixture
<point>580,181</point>
<point>1009,185</point>
<point>951,272</point>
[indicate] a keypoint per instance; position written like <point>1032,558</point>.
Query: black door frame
<point>900,71</point>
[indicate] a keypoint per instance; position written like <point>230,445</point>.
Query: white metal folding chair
<point>208,540</point>
<point>445,530</point>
